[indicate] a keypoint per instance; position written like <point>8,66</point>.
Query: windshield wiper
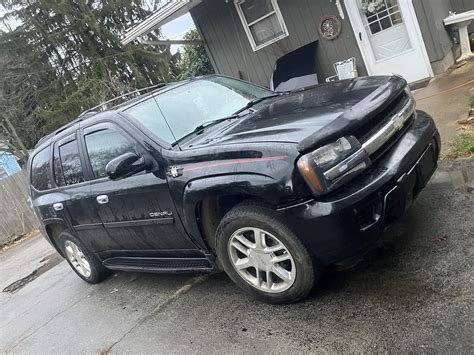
<point>256,101</point>
<point>204,125</point>
<point>212,122</point>
<point>235,114</point>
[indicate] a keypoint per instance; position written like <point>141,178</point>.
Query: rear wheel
<point>263,256</point>
<point>84,263</point>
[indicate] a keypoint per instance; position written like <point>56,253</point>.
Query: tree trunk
<point>18,142</point>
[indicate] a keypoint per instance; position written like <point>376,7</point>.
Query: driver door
<point>137,212</point>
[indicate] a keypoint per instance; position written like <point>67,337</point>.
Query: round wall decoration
<point>330,27</point>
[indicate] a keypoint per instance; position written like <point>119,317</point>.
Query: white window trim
<point>276,11</point>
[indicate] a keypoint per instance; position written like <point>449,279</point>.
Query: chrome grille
<point>394,124</point>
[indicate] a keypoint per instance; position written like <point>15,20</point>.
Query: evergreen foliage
<point>194,60</point>
<point>66,56</point>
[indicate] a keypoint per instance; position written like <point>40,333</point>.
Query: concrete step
<point>461,180</point>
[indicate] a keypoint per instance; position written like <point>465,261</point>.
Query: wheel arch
<point>207,200</point>
<point>53,230</point>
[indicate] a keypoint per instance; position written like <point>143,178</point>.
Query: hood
<point>309,116</point>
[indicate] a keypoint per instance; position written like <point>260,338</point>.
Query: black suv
<point>216,173</point>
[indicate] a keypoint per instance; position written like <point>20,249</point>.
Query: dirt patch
<point>104,351</point>
<point>17,239</point>
<point>447,100</point>
<point>49,262</point>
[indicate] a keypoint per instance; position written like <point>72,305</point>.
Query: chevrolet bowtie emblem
<point>398,122</point>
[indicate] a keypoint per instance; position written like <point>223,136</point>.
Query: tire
<point>72,248</point>
<point>244,223</point>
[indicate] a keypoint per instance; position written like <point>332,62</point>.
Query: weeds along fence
<point>16,215</point>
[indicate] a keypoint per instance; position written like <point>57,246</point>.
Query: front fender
<point>255,185</point>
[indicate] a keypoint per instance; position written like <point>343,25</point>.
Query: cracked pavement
<point>414,293</point>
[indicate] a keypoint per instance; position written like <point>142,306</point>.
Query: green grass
<point>463,146</point>
<point>463,143</point>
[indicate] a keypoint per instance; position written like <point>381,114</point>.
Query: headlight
<point>332,165</point>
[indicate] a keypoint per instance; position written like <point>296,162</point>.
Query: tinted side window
<point>103,146</point>
<point>71,163</point>
<point>40,173</point>
<point>58,172</point>
<point>148,114</point>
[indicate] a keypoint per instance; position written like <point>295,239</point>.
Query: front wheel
<point>262,255</point>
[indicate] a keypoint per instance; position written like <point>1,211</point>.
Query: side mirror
<point>126,165</point>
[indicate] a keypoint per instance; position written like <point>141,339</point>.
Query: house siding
<point>462,6</point>
<point>231,54</point>
<point>438,37</point>
<point>430,14</point>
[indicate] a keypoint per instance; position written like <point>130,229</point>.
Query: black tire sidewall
<point>98,271</point>
<point>264,218</point>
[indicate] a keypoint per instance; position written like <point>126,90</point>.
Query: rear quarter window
<point>40,170</point>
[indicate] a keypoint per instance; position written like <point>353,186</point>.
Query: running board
<point>165,265</point>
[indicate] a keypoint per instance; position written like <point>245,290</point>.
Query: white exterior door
<point>389,38</point>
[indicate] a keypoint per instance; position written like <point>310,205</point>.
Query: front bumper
<point>347,222</point>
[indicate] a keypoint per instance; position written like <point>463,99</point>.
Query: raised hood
<point>309,117</point>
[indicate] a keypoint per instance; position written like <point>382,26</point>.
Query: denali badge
<point>162,214</point>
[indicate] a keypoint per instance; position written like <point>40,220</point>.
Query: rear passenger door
<point>138,212</point>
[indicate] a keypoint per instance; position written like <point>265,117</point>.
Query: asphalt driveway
<point>415,293</point>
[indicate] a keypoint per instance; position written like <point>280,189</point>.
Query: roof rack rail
<point>59,130</point>
<point>90,112</point>
<point>86,114</point>
<point>157,86</point>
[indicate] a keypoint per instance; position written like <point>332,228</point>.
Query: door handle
<point>360,36</point>
<point>102,199</point>
<point>58,206</point>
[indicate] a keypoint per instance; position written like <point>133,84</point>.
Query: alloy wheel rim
<point>77,258</point>
<point>262,260</point>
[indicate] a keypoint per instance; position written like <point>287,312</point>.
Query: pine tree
<point>66,56</point>
<point>194,60</point>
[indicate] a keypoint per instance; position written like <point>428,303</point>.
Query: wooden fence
<point>16,215</point>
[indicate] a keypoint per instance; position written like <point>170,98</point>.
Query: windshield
<point>173,114</point>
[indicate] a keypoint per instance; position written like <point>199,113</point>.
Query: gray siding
<point>461,6</point>
<point>430,15</point>
<point>231,53</point>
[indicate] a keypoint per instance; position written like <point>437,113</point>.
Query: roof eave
<point>172,10</point>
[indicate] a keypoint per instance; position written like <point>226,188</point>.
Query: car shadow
<point>385,269</point>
